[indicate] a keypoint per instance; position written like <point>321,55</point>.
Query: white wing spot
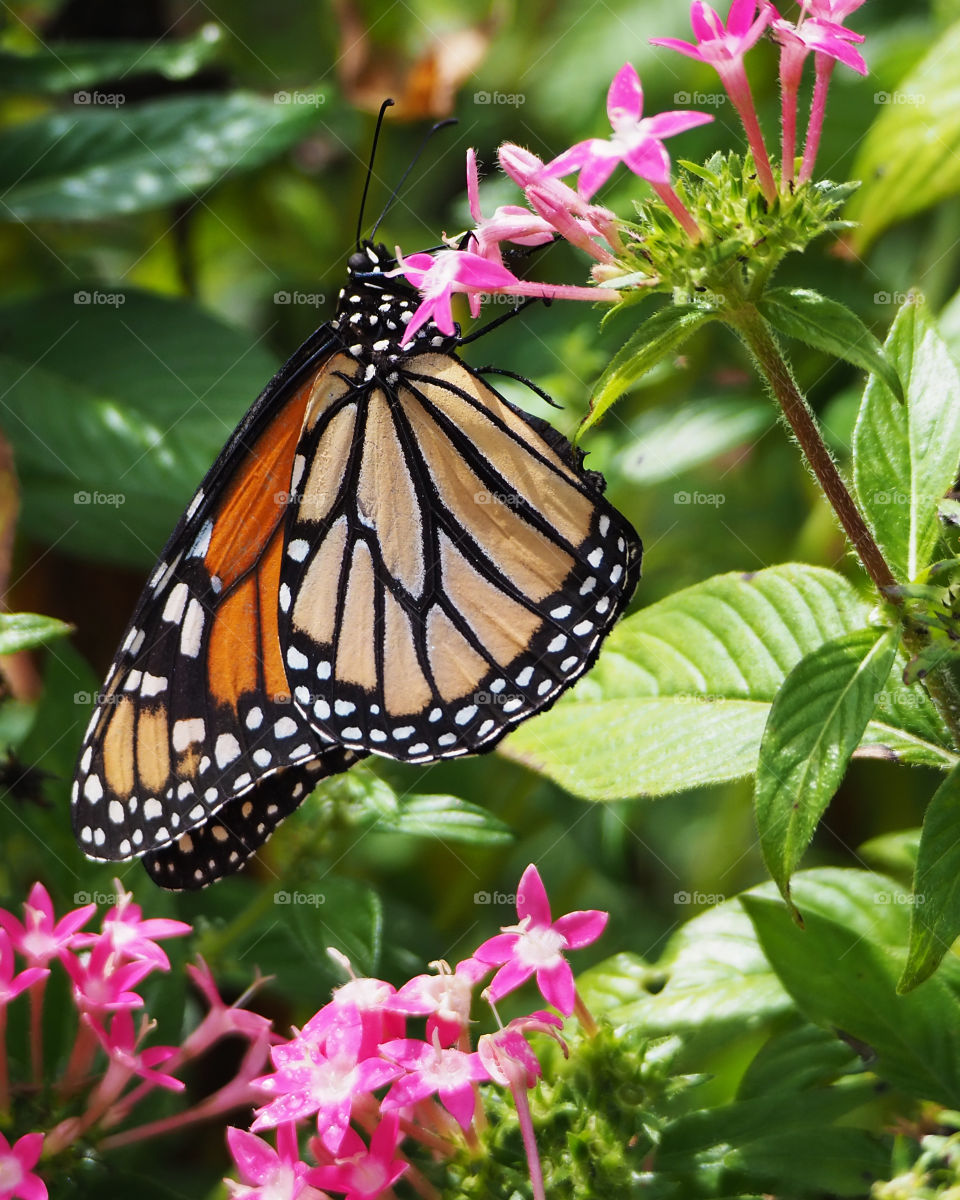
<point>192,631</point>
<point>93,788</point>
<point>298,549</point>
<point>176,603</point>
<point>295,659</point>
<point>187,731</point>
<point>227,750</point>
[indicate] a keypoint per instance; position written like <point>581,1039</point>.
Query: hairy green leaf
<point>682,690</point>
<point>905,456</point>
<point>659,335</point>
<point>842,971</point>
<point>830,326</point>
<point>815,724</point>
<point>935,915</point>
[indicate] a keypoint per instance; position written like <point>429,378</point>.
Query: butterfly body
<point>387,557</point>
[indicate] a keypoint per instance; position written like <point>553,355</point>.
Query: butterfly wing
<point>227,840</point>
<point>451,568</point>
<point>196,709</point>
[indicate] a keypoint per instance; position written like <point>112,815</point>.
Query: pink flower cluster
<point>110,1069</point>
<point>556,210</point>
<point>358,1045</point>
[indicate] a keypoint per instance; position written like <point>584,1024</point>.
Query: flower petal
<point>532,899</point>
<point>508,979</point>
<point>666,124</point>
<point>686,48</point>
<point>625,97</point>
<point>460,1102</point>
<point>557,987</point>
<point>582,927</point>
<point>650,161</point>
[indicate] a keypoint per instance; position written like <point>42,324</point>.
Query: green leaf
<point>816,722</point>
<point>23,631</point>
<point>830,326</point>
<point>893,853</point>
<point>842,970</point>
<point>116,411</point>
<point>672,438</point>
<point>796,1059</point>
<point>448,819</point>
<point>60,66</point>
<point>659,335</point>
<point>756,1147</point>
<point>905,456</point>
<point>935,916</point>
<point>910,158</point>
<point>682,690</point>
<point>98,162</point>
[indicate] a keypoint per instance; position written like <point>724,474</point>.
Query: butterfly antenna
<point>413,162</point>
<point>373,153</point>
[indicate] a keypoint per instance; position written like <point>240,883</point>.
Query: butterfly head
<point>376,306</point>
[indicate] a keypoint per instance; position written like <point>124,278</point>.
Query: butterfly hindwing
<point>227,840</point>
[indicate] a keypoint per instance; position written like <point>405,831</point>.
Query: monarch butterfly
<point>387,557</point>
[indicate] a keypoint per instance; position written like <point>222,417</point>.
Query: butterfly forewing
<point>196,709</point>
<point>459,570</point>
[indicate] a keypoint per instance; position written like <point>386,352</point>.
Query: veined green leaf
<point>842,970</point>
<point>64,65</point>
<point>659,335</point>
<point>682,690</point>
<point>935,915</point>
<point>816,722</point>
<point>97,162</point>
<point>830,326</point>
<point>910,158</point>
<point>23,631</point>
<point>905,457</point>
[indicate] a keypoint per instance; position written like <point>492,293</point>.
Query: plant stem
<point>754,330</point>
<point>751,326</point>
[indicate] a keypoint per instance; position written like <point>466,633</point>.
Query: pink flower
<point>40,939</point>
<point>16,1168</point>
<point>719,44</point>
<point>509,223</point>
<point>431,1068</point>
<point>370,1000</point>
<point>831,10</point>
<point>364,1174</point>
<point>11,985</point>
<point>438,276</point>
<point>537,945</point>
<point>443,998</point>
<point>132,937</point>
<point>120,1046</point>
<point>637,141</point>
<point>102,984</point>
<point>324,1081</point>
<point>822,36</point>
<point>507,1056</point>
<point>222,1019</point>
<point>723,47</point>
<point>268,1174</point>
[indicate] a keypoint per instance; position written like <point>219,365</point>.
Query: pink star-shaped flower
<point>537,945</point>
<point>11,984</point>
<point>431,1068</point>
<point>370,1000</point>
<point>823,37</point>
<point>41,937</point>
<point>509,223</point>
<point>507,1055</point>
<point>120,1045</point>
<point>325,1082</point>
<point>438,276</point>
<point>718,43</point>
<point>16,1168</point>
<point>102,983</point>
<point>133,937</point>
<point>444,999</point>
<point>637,141</point>
<point>268,1174</point>
<point>364,1174</point>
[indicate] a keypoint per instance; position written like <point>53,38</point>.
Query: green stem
<point>753,329</point>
